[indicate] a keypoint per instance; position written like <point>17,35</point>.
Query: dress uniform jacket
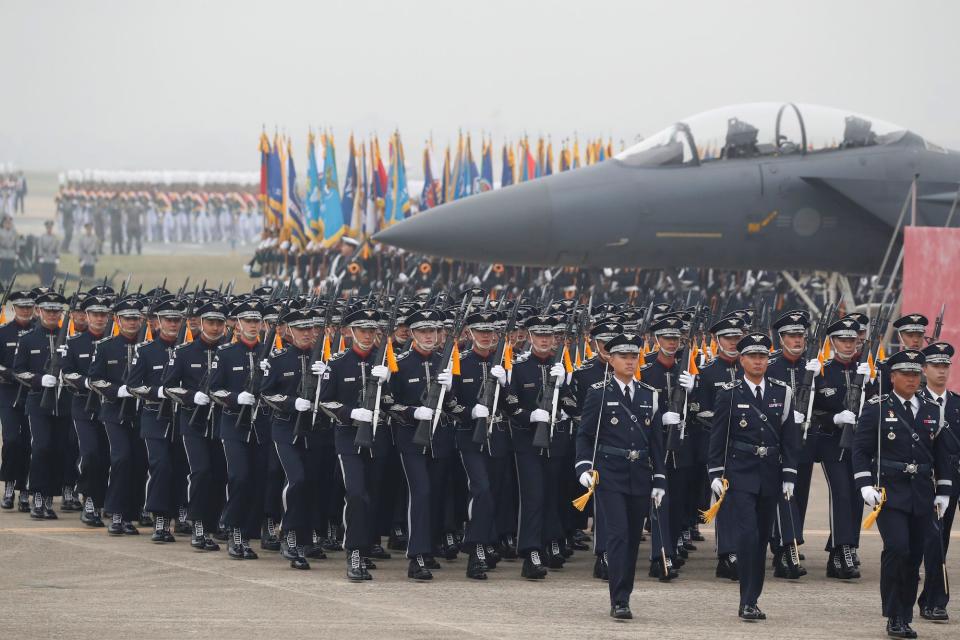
<point>342,390</point>
<point>146,376</point>
<point>474,372</point>
<point>409,387</point>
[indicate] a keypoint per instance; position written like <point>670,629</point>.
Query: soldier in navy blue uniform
<point>183,382</point>
<point>48,429</point>
<point>787,365</point>
<point>934,597</point>
<point>159,434</point>
<point>532,374</point>
<point>279,389</point>
<point>621,438</point>
<point>343,385</point>
<point>754,441</point>
<point>246,445</point>
<point>830,415</point>
<point>721,370</point>
<point>896,458</point>
<point>111,363</point>
<point>477,367</point>
<point>589,373</point>
<point>92,439</point>
<point>15,455</point>
<point>427,469</point>
<point>664,373</point>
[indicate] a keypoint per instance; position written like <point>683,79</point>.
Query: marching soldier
<point>48,254</point>
<point>426,467</point>
<point>721,370</point>
<point>15,455</point>
<point>111,363</point>
<point>896,457</point>
<point>831,414</point>
<point>620,439</point>
<point>279,389</point>
<point>159,432</point>
<point>186,381</point>
<point>244,445</point>
<point>934,597</point>
<point>753,447</point>
<point>91,435</point>
<point>48,428</point>
<point>787,366</point>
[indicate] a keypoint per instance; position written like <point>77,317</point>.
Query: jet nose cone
<point>495,226</point>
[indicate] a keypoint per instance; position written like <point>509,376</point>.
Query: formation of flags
<point>375,196</point>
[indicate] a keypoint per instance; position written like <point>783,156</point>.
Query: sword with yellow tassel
<point>873,515</point>
<point>711,513</point>
<point>581,503</point>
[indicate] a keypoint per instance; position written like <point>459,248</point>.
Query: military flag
<point>486,169</point>
<point>397,201</point>
<point>292,204</point>
<point>508,171</point>
<point>314,219</point>
<point>275,185</point>
<point>331,208</point>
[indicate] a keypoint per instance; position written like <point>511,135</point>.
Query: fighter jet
<point>755,186</point>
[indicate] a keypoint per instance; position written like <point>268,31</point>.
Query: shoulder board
<point>181,346</point>
<point>827,361</point>
<point>928,400</point>
<point>276,353</point>
<point>708,363</point>
<point>878,399</point>
<point>521,357</point>
<point>597,385</point>
<point>778,382</point>
<point>776,354</point>
<point>144,343</point>
<point>225,346</point>
<point>465,354</point>
<point>585,365</point>
<point>643,384</point>
<point>102,340</point>
<point>403,355</point>
<point>337,355</point>
<point>731,385</point>
<point>953,394</point>
<point>646,366</point>
<point>73,337</point>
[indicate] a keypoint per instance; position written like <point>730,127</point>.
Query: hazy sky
<point>188,84</point>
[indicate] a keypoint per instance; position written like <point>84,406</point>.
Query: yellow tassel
<point>872,516</point>
<point>693,369</point>
<point>60,323</point>
<point>116,329</point>
<point>343,344</point>
<point>233,339</point>
<point>713,347</point>
<point>391,357</point>
<point>326,348</point>
<point>70,328</point>
<point>3,315</point>
<point>587,351</point>
<point>826,350</point>
<point>188,336</point>
<point>148,336</point>
<point>455,360</point>
<point>872,365</point>
<point>881,354</point>
<point>581,503</point>
<point>277,342</point>
<point>508,356</point>
<point>711,513</point>
<point>579,362</point>
<point>567,364</point>
<point>636,373</point>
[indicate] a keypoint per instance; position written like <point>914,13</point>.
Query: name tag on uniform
<point>288,373</point>
<point>83,355</point>
<point>11,344</point>
<point>743,406</point>
<point>467,380</point>
<point>529,385</point>
<point>929,422</point>
<point>613,404</point>
<point>890,420</point>
<point>112,361</point>
<point>196,366</point>
<point>413,380</point>
<point>238,368</point>
<point>354,379</point>
<point>719,384</point>
<point>157,366</point>
<point>34,350</point>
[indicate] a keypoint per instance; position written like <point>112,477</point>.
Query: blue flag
<point>314,221</point>
<point>331,210</point>
<point>349,187</point>
<point>397,199</point>
<point>294,219</point>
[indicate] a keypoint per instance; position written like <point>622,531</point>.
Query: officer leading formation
<point>460,423</point>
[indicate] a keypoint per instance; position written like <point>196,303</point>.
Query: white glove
<point>245,397</point>
<point>318,367</point>
<point>607,272</point>
<point>941,504</point>
<point>302,404</point>
<point>123,393</point>
<point>686,380</point>
<point>361,415</point>
<point>539,415</point>
<point>788,490</point>
<point>863,369</point>
<point>717,487</point>
<point>381,372</point>
<point>48,380</point>
<point>558,370</point>
<point>657,496</point>
<point>564,415</point>
<point>586,479</point>
<point>479,411</point>
<point>160,394</point>
<point>422,413</point>
<point>844,417</point>
<point>500,374</point>
<point>445,379</point>
<point>201,398</point>
<point>671,417</point>
<point>798,417</point>
<point>812,365</point>
<point>402,277</point>
<point>870,496</point>
<point>265,366</point>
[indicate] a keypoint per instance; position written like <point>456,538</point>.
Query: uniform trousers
<point>206,479</point>
<point>623,516</point>
<point>480,510</point>
<point>94,462</point>
<point>15,454</point>
<point>904,536</point>
<point>753,516</point>
<point>246,474</point>
<point>934,594</point>
<point>127,463</point>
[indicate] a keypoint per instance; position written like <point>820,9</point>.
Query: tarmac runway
<point>59,579</point>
